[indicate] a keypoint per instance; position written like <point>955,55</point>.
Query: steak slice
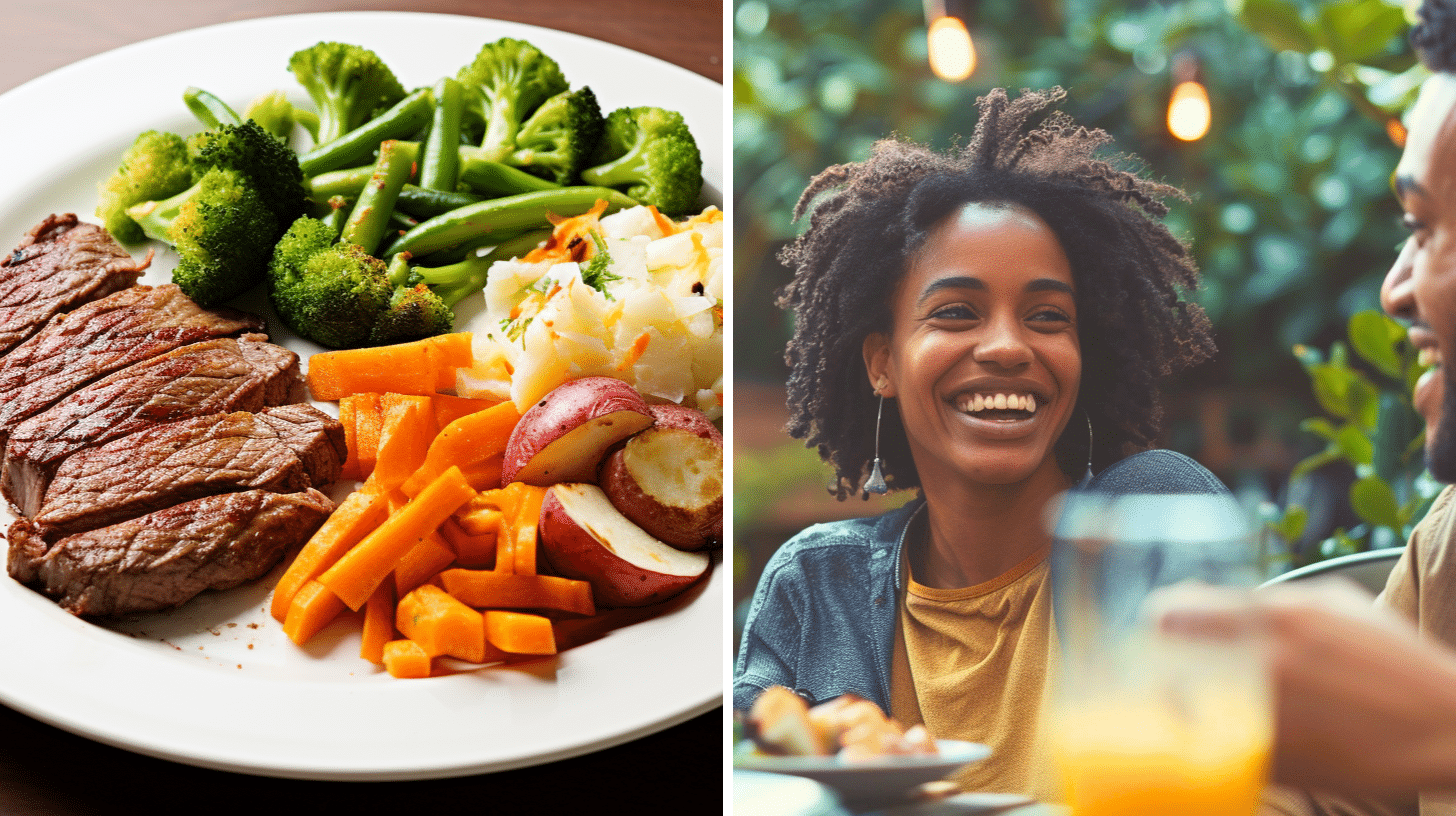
<point>282,450</point>
<point>59,265</point>
<point>164,559</point>
<point>101,337</point>
<point>211,377</point>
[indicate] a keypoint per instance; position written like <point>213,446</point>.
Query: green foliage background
<point>1291,218</point>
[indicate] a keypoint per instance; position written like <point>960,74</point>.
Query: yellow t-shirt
<point>975,664</point>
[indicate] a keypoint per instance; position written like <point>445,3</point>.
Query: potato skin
<point>573,552</point>
<point>569,409</point>
<point>687,529</point>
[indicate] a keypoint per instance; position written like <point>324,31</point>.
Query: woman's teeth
<point>1426,356</point>
<point>983,402</point>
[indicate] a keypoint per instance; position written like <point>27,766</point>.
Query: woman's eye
<point>1050,316</point>
<point>954,312</point>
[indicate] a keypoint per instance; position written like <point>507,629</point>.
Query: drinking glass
<point>1149,722</point>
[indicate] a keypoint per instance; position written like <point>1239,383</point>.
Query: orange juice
<point>1140,759</point>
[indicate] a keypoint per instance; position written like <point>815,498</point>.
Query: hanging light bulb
<point>952,54</point>
<point>1190,114</point>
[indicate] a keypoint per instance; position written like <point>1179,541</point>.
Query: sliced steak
<point>164,559</point>
<point>212,377</point>
<point>101,337</point>
<point>61,263</point>
<point>283,450</point>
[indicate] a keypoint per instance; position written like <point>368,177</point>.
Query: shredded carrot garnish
<point>664,223</point>
<point>635,352</point>
<point>566,233</point>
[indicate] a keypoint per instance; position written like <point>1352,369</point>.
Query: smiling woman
<point>988,326</point>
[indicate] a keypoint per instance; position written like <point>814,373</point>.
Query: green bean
<point>404,119</point>
<point>413,199</point>
<point>210,110</point>
<point>347,182</point>
<point>492,178</point>
<point>422,203</point>
<point>496,215</point>
<point>440,165</point>
<point>338,213</point>
<point>370,219</point>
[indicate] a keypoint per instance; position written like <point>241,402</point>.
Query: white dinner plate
<point>216,683</point>
<point>883,779</point>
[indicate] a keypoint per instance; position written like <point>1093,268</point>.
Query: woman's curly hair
<point>1434,35</point>
<point>873,216</point>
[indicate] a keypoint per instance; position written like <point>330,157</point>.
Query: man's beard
<point>1441,446</point>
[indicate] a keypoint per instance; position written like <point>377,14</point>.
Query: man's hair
<point>873,216</point>
<point>1434,35</point>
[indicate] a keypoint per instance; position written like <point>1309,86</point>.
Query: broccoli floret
<point>340,296</point>
<point>276,114</point>
<point>414,313</point>
<point>350,85</point>
<point>560,136</point>
<point>270,165</point>
<point>504,84</point>
<point>216,234</point>
<point>649,154</point>
<point>156,166</point>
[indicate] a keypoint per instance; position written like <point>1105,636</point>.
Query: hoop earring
<point>876,482</point>
<point>1088,477</point>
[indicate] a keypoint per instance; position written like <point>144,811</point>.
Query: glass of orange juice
<point>1149,721</point>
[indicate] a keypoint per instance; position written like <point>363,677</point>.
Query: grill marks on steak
<point>165,558</point>
<point>101,337</point>
<point>61,263</point>
<point>211,377</point>
<point>281,450</point>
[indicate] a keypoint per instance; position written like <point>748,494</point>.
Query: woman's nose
<point>1003,344</point>
<point>1397,292</point>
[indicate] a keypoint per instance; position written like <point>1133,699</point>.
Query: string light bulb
<point>951,51</point>
<point>1190,113</point>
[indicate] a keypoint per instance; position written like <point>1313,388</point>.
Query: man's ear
<point>876,349</point>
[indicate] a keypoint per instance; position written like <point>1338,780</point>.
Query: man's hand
<point>1363,704</point>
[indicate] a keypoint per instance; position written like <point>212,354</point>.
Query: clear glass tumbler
<point>1149,722</point>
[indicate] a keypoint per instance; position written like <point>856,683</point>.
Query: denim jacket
<point>822,620</point>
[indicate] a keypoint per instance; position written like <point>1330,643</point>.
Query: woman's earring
<point>1088,477</point>
<point>876,482</point>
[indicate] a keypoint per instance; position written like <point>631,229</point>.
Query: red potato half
<point>672,415</point>
<point>563,437</point>
<point>669,480</point>
<point>584,537</point>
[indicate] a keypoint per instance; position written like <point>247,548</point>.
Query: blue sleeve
<point>768,653</point>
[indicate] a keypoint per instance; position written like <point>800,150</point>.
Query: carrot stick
<point>350,469</point>
<point>484,589</point>
<point>367,421</point>
<point>440,624</point>
<point>486,474</point>
<point>418,367</point>
<point>449,408</point>
<point>405,658</point>
<point>527,518</point>
<point>479,521</point>
<point>519,632</point>
<point>405,432</point>
<point>355,575</point>
<point>378,624</point>
<point>470,550</point>
<point>422,562</point>
<point>467,441</point>
<point>311,609</point>
<point>360,512</point>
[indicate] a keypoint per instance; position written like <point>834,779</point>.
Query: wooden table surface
<point>45,770</point>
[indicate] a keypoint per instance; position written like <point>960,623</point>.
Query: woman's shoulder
<point>861,530</point>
